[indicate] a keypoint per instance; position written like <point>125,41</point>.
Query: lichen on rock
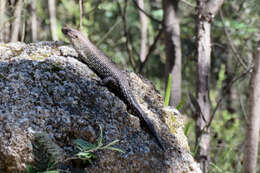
<point>44,89</point>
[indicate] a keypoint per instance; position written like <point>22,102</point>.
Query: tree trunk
<point>52,12</point>
<point>23,30</point>
<point>203,80</point>
<point>34,21</point>
<point>172,49</point>
<point>17,21</point>
<point>2,16</point>
<point>252,133</point>
<point>143,23</point>
<point>206,11</point>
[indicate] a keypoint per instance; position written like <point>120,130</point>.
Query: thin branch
<point>240,7</point>
<point>243,109</point>
<point>128,46</point>
<point>218,45</point>
<point>213,6</point>
<point>224,93</point>
<point>195,104</point>
<point>188,3</point>
<point>109,31</point>
<point>148,15</point>
<point>241,149</point>
<point>95,8</point>
<point>81,14</point>
<point>230,42</point>
<point>151,49</point>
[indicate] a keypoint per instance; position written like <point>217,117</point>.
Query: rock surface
<point>44,89</point>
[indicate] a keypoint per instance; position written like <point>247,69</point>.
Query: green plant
<point>180,105</point>
<point>187,128</point>
<point>168,91</point>
<point>28,169</point>
<point>86,149</point>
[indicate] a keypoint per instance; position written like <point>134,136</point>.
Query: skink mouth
<point>65,30</point>
<point>69,32</point>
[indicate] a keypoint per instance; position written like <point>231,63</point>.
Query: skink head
<point>81,43</point>
<point>78,40</point>
<point>72,34</point>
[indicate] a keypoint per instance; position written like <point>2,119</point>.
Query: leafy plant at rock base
<point>86,149</point>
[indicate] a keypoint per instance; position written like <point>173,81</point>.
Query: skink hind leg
<point>108,81</point>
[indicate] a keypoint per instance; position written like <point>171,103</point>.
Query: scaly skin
<point>112,77</point>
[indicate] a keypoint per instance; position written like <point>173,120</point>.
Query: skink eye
<point>74,36</point>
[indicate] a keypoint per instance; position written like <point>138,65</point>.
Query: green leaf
<point>216,167</point>
<point>100,137</point>
<point>83,145</point>
<point>168,91</point>
<point>86,155</point>
<point>28,168</point>
<point>158,14</point>
<point>180,105</point>
<point>187,127</point>
<point>112,143</point>
<point>196,149</point>
<point>115,149</point>
<point>227,153</point>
